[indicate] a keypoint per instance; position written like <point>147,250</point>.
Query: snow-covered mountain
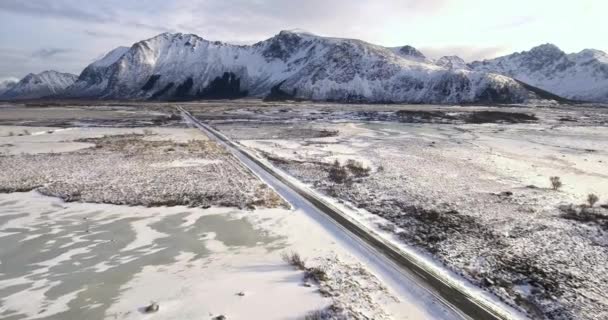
<point>410,52</point>
<point>452,62</point>
<point>33,86</point>
<point>7,84</point>
<point>293,64</point>
<point>578,76</point>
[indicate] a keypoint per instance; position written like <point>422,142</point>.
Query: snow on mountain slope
<point>33,86</point>
<point>7,84</point>
<point>410,52</point>
<point>452,62</point>
<point>301,65</point>
<point>578,76</point>
<point>110,57</point>
<point>94,75</point>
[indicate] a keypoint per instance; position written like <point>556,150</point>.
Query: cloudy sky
<point>66,35</point>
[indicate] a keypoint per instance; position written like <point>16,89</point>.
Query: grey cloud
<point>242,20</point>
<point>105,12</point>
<point>49,53</point>
<point>55,9</point>
<point>104,34</point>
<point>233,20</point>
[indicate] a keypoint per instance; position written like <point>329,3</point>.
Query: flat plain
<point>108,205</point>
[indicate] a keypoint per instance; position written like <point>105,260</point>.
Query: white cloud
<point>467,53</point>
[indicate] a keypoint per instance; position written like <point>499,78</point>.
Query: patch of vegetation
<point>317,274</point>
<point>338,173</point>
<point>418,116</point>
<point>586,214</point>
<point>481,117</point>
<point>556,183</point>
<point>342,174</point>
<point>357,168</point>
<point>547,284</point>
<point>294,259</point>
<point>333,312</point>
<point>316,315</point>
<point>592,199</point>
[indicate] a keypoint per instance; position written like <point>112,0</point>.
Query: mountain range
<point>34,86</point>
<point>300,65</point>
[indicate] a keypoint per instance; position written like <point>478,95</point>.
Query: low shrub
<point>592,199</point>
<point>317,274</point>
<point>357,168</point>
<point>294,259</point>
<point>556,183</point>
<point>338,173</point>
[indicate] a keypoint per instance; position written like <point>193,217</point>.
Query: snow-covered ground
<point>474,196</point>
<point>83,260</point>
<point>152,167</point>
<point>94,261</point>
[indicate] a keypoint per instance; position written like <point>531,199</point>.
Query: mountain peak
<point>593,53</point>
<point>577,76</point>
<point>298,31</point>
<point>175,37</point>
<point>452,62</point>
<point>410,51</point>
<point>547,49</point>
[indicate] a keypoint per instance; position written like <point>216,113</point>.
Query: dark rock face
<point>497,95</point>
<point>228,86</point>
<point>411,52</point>
<point>453,83</point>
<point>151,82</point>
<point>277,94</point>
<point>282,46</point>
<point>163,91</point>
<point>182,92</point>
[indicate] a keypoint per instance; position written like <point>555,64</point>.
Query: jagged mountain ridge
<point>44,84</point>
<point>185,66</point>
<point>578,76</point>
<point>452,62</point>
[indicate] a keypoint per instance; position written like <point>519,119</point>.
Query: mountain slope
<point>6,85</point>
<point>185,66</point>
<point>577,76</point>
<point>452,62</point>
<point>33,86</point>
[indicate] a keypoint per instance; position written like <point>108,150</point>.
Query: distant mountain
<point>288,65</point>
<point>6,85</point>
<point>410,52</point>
<point>578,76</point>
<point>452,62</point>
<point>34,86</point>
